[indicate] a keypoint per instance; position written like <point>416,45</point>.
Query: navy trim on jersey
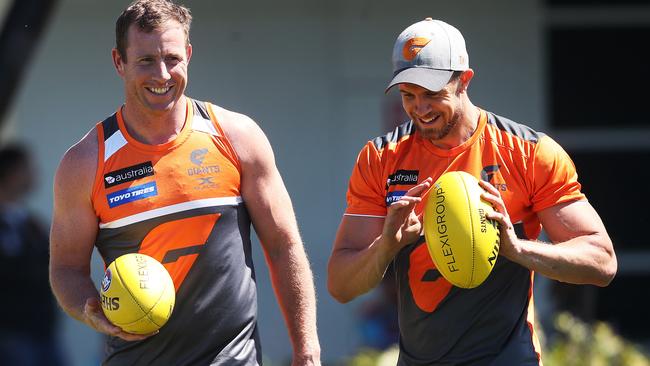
<point>524,132</point>
<point>110,126</point>
<point>200,108</point>
<point>400,131</point>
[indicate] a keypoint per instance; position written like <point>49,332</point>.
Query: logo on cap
<point>413,46</point>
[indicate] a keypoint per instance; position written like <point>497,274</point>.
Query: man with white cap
<point>529,179</point>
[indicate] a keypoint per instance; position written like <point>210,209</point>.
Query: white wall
<point>311,73</point>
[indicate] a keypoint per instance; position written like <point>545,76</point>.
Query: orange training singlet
<point>441,324</point>
<point>180,202</point>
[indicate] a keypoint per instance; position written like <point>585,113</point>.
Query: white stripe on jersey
<point>359,215</point>
<point>204,125</point>
<point>113,143</point>
<point>179,207</point>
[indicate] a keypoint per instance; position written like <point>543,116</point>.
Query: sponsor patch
<point>128,174</point>
<point>206,183</point>
<point>132,194</point>
<point>403,177</point>
<point>394,196</point>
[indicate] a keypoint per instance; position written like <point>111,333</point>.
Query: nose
<point>422,108</point>
<point>161,73</point>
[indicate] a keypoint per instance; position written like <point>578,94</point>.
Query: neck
<point>155,127</point>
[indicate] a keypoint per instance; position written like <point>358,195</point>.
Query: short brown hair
<point>149,15</point>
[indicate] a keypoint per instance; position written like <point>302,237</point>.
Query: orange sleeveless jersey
<point>135,181</point>
<point>438,322</point>
<point>180,202</point>
<point>206,151</point>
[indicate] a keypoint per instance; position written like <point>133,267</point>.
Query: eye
<point>145,60</point>
<point>434,96</point>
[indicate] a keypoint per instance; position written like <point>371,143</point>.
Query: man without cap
<point>528,178</point>
<point>180,180</point>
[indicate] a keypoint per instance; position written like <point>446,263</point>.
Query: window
<point>597,109</point>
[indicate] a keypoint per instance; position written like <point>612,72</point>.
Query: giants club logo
<point>413,46</point>
<point>198,155</point>
<point>204,172</point>
<point>488,173</point>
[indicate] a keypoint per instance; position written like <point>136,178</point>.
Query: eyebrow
<point>155,54</point>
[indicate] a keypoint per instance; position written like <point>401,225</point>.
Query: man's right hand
<point>402,225</point>
<point>95,318</point>
<point>365,245</point>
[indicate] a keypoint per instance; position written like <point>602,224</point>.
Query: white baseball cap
<point>427,53</point>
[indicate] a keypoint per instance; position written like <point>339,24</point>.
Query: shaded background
<point>312,74</point>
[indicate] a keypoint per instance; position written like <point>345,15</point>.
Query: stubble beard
<point>439,133</point>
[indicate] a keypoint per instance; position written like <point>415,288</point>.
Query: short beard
<point>439,133</point>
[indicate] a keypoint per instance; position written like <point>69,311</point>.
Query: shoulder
<point>397,135</point>
<point>513,129</point>
<point>243,133</point>
<point>232,122</point>
<point>77,166</point>
<point>533,143</point>
<point>388,146</point>
<point>549,152</point>
<point>512,137</point>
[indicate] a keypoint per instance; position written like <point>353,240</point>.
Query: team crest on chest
<point>203,170</point>
<point>490,174</point>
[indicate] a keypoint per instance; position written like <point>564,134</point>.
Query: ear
<point>467,75</point>
<point>188,51</point>
<point>118,61</point>
<point>465,78</point>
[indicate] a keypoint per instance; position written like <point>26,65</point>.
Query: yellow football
<point>463,243</point>
<point>137,293</point>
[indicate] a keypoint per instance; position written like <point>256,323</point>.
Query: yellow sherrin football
<point>463,243</point>
<point>137,293</point>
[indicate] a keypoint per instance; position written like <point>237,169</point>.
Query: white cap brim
<point>431,79</point>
